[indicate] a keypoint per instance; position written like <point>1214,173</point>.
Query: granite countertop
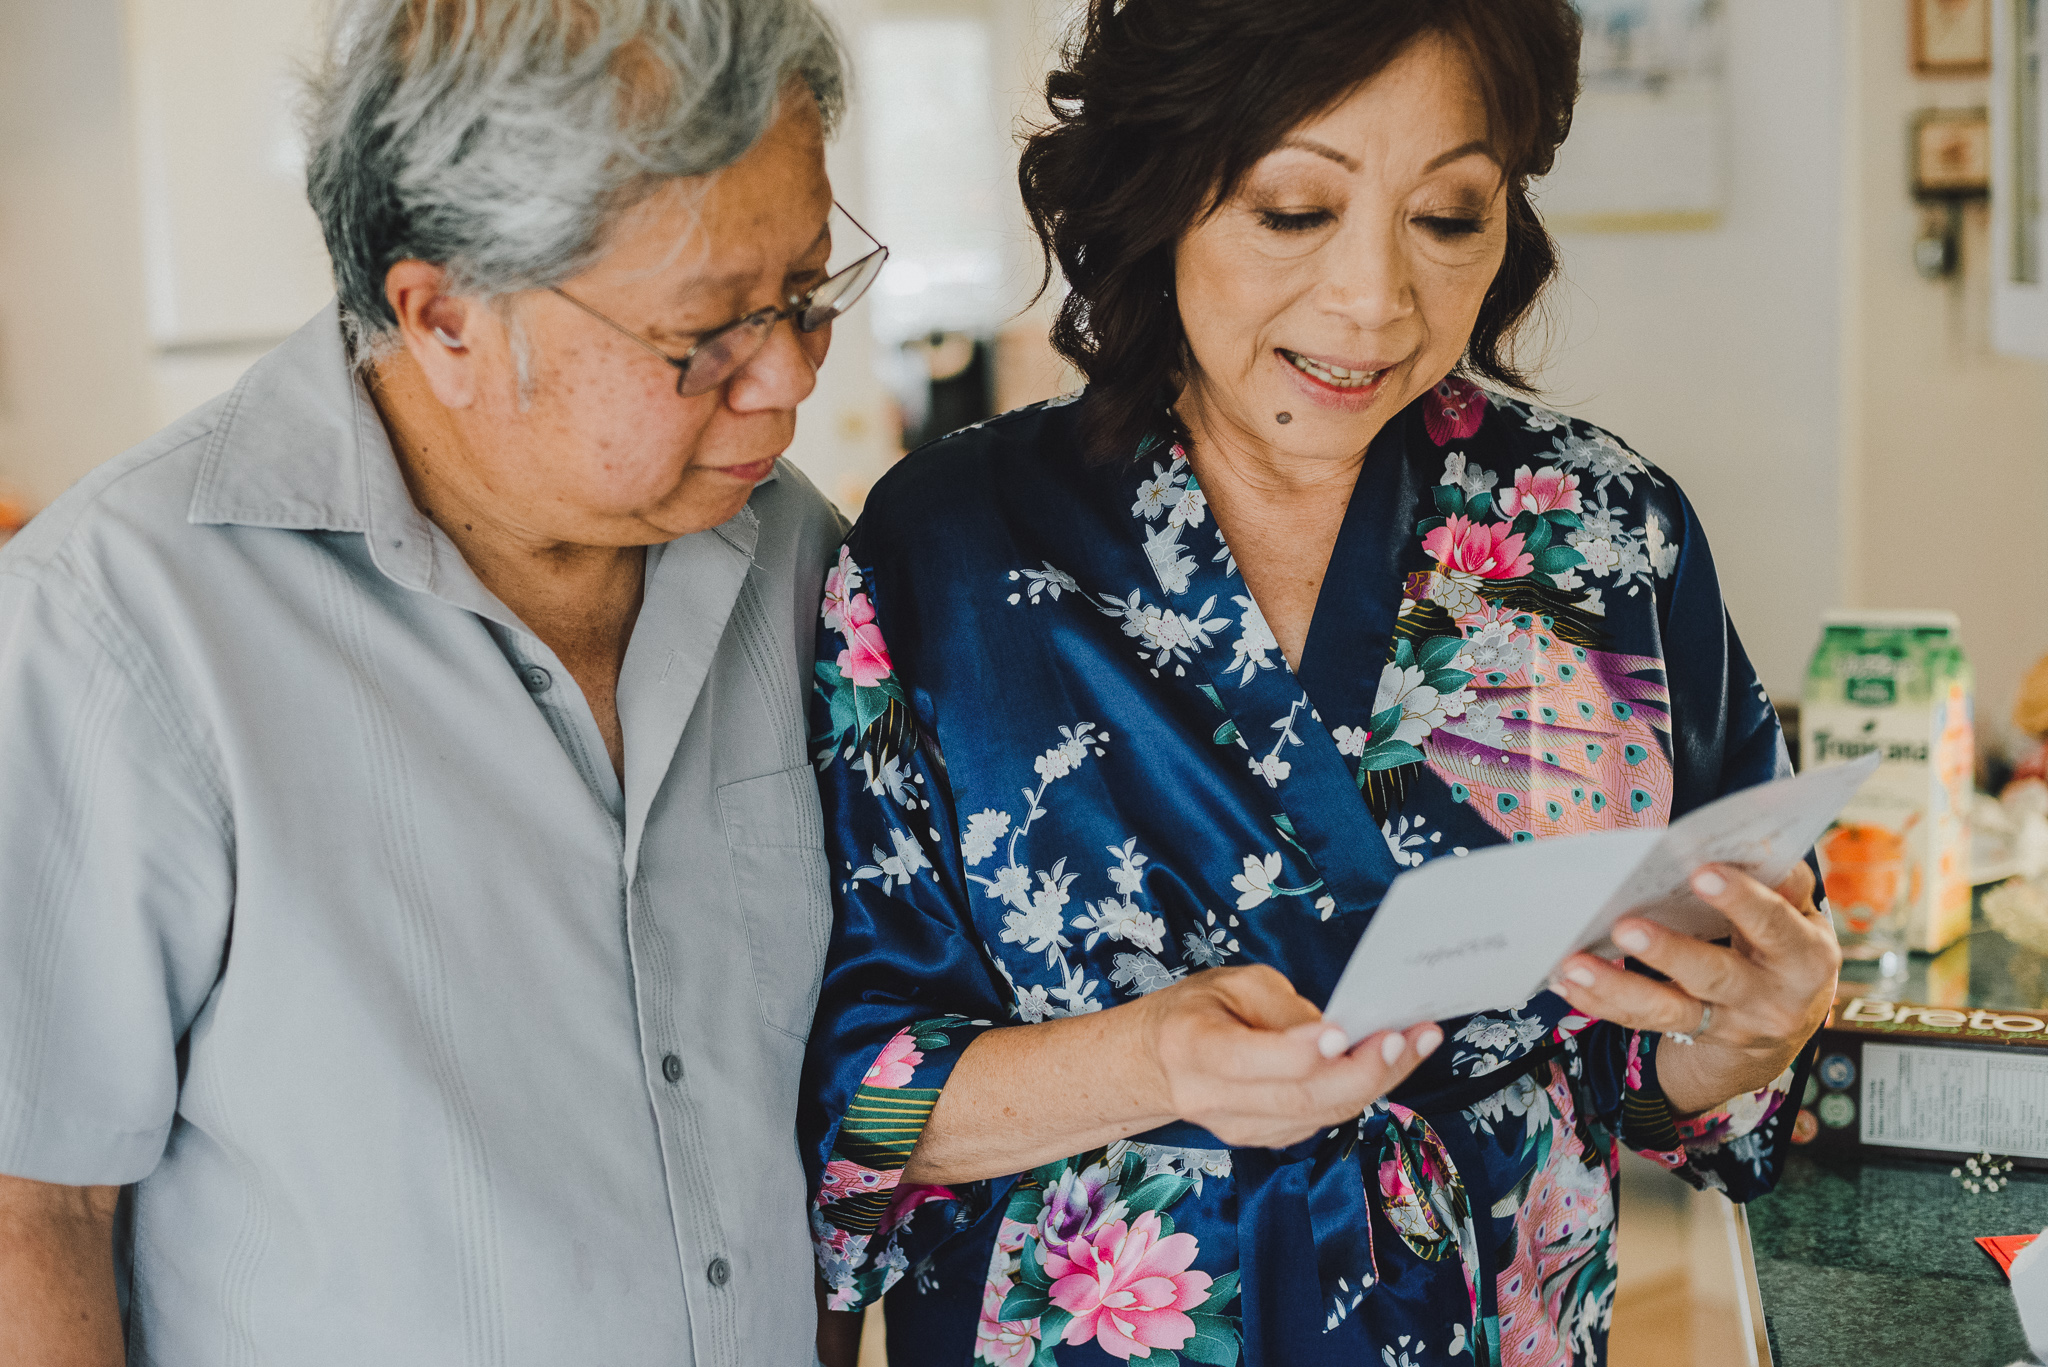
<point>1873,1260</point>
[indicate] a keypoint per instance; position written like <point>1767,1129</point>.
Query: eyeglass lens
<point>715,360</point>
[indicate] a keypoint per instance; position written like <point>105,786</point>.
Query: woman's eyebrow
<point>1456,153</point>
<point>1324,150</point>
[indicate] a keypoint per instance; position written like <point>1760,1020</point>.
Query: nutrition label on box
<point>1959,1100</point>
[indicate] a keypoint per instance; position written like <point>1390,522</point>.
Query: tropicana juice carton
<point>1897,683</point>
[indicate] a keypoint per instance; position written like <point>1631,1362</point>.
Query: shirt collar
<point>301,447</point>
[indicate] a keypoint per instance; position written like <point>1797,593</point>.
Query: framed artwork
<point>1951,152</point>
<point>1951,37</point>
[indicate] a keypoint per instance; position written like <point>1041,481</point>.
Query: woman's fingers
<point>1607,992</point>
<point>1775,927</point>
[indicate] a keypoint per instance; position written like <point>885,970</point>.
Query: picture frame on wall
<point>1951,154</point>
<point>1951,37</point>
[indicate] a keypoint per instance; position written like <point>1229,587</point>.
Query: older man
<point>410,874</point>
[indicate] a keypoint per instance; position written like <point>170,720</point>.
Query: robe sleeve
<point>1725,737</point>
<point>907,987</point>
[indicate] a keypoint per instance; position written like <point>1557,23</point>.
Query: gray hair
<point>501,139</point>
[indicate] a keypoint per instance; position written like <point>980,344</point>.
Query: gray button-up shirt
<point>324,919</point>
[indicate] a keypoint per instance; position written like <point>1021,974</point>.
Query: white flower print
<point>1255,641</point>
<point>1601,523</point>
<point>1497,646</point>
<point>1164,635</point>
<point>1663,554</point>
<point>1011,883</point>
<point>1160,492</point>
<point>1033,1004</point>
<point>1351,740</point>
<point>1077,990</point>
<point>1170,563</point>
<point>1142,973</point>
<point>1470,478</point>
<point>1601,557</point>
<point>1634,563</point>
<point>1255,884</point>
<point>887,778</point>
<point>1271,768</point>
<point>1046,583</point>
<point>1325,905</point>
<point>1405,839</point>
<point>1514,1034</point>
<point>1457,594</point>
<point>1118,919</point>
<point>1423,709</point>
<point>1189,508</point>
<point>1127,875</point>
<point>1591,603</point>
<point>1209,947</point>
<point>1568,580</point>
<point>1543,420</point>
<point>898,868</point>
<point>1040,927</point>
<point>1481,723</point>
<point>984,829</point>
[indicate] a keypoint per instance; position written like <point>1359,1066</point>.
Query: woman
<point>1133,707</point>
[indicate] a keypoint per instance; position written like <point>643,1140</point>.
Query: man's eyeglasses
<point>721,352</point>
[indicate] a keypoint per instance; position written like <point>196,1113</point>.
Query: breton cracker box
<point>1897,683</point>
<point>1906,1080</point>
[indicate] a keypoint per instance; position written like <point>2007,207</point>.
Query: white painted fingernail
<point>1427,1041</point>
<point>1707,883</point>
<point>1634,941</point>
<point>1582,976</point>
<point>1390,1049</point>
<point>1330,1043</point>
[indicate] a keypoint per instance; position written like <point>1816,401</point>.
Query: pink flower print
<point>844,1178</point>
<point>1547,490</point>
<point>1487,550</point>
<point>895,1065</point>
<point>906,1202</point>
<point>1633,1074</point>
<point>840,584</point>
<point>1006,1343</point>
<point>1453,410</point>
<point>865,659</point>
<point>1127,1288</point>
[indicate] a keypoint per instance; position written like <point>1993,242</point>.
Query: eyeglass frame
<point>772,315</point>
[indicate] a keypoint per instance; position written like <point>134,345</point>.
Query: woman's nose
<point>1369,278</point>
<point>782,374</point>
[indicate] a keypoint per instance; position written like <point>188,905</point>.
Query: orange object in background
<point>14,515</point>
<point>1862,866</point>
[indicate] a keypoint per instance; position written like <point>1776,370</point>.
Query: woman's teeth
<point>1335,376</point>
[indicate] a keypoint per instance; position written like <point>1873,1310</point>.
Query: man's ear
<point>437,328</point>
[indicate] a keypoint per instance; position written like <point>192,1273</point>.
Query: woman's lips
<point>1332,383</point>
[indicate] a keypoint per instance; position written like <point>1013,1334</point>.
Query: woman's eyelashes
<point>1295,220</point>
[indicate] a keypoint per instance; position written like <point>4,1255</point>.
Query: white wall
<point>1718,353</point>
<point>74,359</point>
<point>1951,470</point>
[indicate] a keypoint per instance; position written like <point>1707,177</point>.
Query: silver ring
<point>1706,1019</point>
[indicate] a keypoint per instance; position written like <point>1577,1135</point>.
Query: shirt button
<point>536,679</point>
<point>672,1068</point>
<point>720,1272</point>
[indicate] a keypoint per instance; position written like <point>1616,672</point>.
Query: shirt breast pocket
<point>776,840</point>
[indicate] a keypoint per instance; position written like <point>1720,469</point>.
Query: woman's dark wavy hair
<point>1162,106</point>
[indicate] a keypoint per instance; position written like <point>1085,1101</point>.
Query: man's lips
<point>753,473</point>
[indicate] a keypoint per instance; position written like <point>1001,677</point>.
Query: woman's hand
<point>1235,1050</point>
<point>1242,1054</point>
<point>1769,989</point>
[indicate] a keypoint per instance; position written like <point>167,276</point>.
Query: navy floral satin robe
<point>1065,764</point>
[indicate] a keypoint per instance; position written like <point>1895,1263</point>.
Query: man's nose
<point>782,374</point>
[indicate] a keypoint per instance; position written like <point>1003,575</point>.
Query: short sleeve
<point>115,892</point>
<point>907,987</point>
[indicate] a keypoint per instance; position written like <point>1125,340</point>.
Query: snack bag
<point>1897,683</point>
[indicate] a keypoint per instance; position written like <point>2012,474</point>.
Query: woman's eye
<point>1449,227</point>
<point>1294,222</point>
